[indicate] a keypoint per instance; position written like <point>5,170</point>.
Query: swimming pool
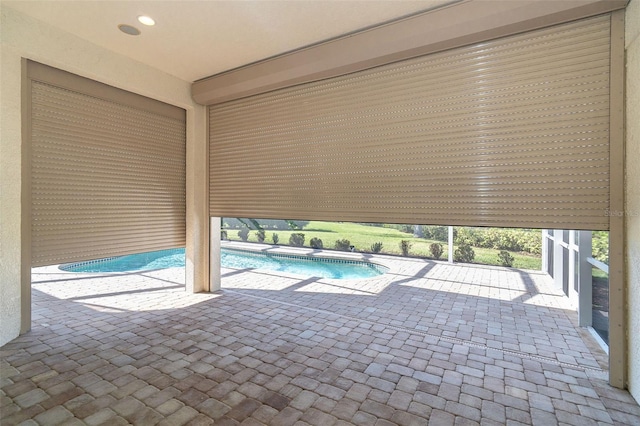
<point>237,259</point>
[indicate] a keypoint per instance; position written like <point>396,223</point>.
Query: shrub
<point>260,235</point>
<point>505,258</point>
<point>376,247</point>
<point>297,224</point>
<point>514,240</point>
<point>436,250</point>
<point>438,233</point>
<point>344,245</point>
<point>469,236</point>
<point>464,253</point>
<point>600,246</point>
<point>244,234</point>
<point>409,229</point>
<point>405,246</point>
<point>316,243</point>
<point>296,239</point>
<point>275,238</point>
<point>223,235</point>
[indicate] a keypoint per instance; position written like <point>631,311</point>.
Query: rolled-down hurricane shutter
<point>512,132</point>
<point>108,170</point>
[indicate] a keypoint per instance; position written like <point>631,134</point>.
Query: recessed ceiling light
<point>146,20</point>
<point>128,29</point>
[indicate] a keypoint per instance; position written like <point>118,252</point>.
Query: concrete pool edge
<point>385,261</point>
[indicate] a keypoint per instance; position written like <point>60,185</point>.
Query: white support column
<point>451,244</point>
<point>585,286</point>
<point>545,251</point>
<point>573,258</point>
<point>558,259</point>
<point>214,264</point>
<point>197,202</point>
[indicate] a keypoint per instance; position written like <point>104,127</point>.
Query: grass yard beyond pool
<point>363,236</point>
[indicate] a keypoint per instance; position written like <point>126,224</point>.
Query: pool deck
<point>426,343</point>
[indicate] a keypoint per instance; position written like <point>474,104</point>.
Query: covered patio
<point>418,345</point>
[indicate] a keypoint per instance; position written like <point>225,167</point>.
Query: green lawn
<point>363,236</point>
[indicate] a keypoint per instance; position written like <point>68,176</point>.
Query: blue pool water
<point>237,259</point>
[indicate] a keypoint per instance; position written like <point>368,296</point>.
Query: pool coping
<point>310,252</point>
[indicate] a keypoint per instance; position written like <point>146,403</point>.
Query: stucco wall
<point>9,191</point>
<point>632,43</point>
<point>22,36</point>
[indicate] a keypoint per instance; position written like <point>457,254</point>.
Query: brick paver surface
<point>426,343</point>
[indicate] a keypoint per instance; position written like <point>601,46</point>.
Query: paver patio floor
<point>426,343</point>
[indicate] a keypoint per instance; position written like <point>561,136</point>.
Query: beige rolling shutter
<point>512,132</point>
<point>108,170</point>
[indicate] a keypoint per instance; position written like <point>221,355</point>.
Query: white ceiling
<point>195,39</point>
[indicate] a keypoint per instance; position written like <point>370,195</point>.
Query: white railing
<point>598,264</point>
